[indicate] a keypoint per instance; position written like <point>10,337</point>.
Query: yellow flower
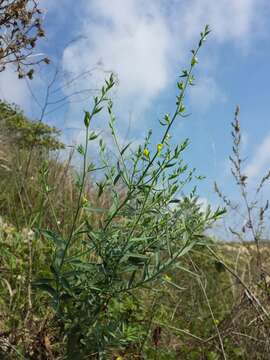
<point>84,201</point>
<point>216,321</point>
<point>159,148</point>
<point>167,278</point>
<point>146,152</point>
<point>194,61</point>
<point>119,358</point>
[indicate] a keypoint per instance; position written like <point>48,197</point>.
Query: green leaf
<point>212,356</point>
<point>170,165</point>
<point>118,176</point>
<point>46,288</point>
<point>77,263</point>
<point>55,238</point>
<point>174,201</point>
<point>65,283</point>
<point>42,281</point>
<point>100,188</point>
<point>131,279</point>
<point>162,123</point>
<point>182,109</point>
<point>125,148</point>
<point>98,109</point>
<point>145,273</point>
<point>184,73</point>
<point>137,259</point>
<point>180,85</point>
<point>93,135</point>
<point>80,150</point>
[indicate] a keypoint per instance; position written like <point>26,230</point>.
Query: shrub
<point>143,232</point>
<point>24,146</point>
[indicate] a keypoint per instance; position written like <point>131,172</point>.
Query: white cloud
<point>13,89</point>
<point>229,19</point>
<point>144,43</point>
<point>129,38</point>
<point>260,163</point>
<point>141,41</point>
<point>244,140</point>
<point>206,93</point>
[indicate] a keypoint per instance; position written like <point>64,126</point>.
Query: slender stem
<point>82,185</point>
<point>212,316</point>
<point>249,293</point>
<point>176,113</point>
<point>79,198</point>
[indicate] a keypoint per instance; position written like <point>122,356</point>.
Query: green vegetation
<point>121,268</point>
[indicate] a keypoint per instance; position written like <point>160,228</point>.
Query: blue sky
<point>147,43</point>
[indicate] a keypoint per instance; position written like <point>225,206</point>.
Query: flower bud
<point>87,119</point>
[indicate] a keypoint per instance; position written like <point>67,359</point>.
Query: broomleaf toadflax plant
<point>141,235</point>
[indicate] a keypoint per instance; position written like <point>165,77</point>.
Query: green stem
<point>79,198</point>
<point>176,113</point>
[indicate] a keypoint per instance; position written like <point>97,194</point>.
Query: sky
<point>147,43</point>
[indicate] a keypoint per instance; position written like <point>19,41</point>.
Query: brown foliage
<point>20,29</point>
